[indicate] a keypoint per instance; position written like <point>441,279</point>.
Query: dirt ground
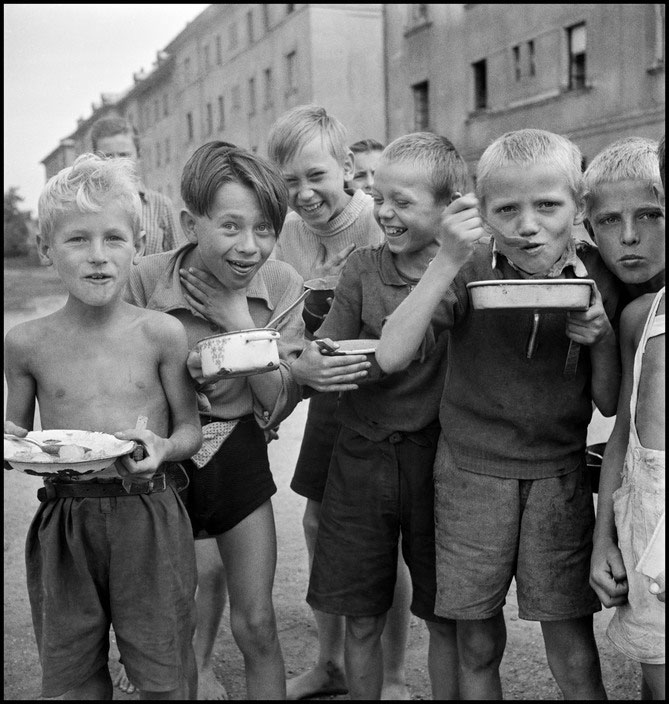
<point>525,673</point>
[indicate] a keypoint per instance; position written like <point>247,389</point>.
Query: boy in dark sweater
<point>511,492</point>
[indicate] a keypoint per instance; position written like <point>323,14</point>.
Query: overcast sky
<point>58,59</point>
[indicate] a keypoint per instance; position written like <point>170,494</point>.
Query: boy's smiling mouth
<point>241,267</point>
<point>394,231</point>
<point>311,209</point>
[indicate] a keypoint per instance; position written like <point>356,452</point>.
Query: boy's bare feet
<point>120,680</point>
<point>317,682</point>
<point>208,687</point>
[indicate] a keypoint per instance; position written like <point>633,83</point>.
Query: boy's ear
<point>188,225</point>
<point>349,166</point>
<point>140,246</point>
<point>579,216</point>
<point>43,250</point>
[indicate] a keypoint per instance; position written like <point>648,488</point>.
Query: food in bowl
<point>317,303</point>
<point>240,353</point>
<point>79,452</point>
<point>546,294</point>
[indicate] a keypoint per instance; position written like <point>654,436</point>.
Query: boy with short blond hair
<point>626,215</point>
<point>102,551</point>
<point>511,492</point>
<point>379,483</point>
<point>310,147</point>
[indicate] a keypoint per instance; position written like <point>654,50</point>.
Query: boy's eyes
<point>651,215</point>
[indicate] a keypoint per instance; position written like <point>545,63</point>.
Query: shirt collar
<point>569,258</point>
<point>169,290</point>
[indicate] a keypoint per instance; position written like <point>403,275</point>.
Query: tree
<point>16,227</point>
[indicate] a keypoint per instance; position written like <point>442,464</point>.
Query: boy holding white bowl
<point>512,495</point>
<point>379,482</point>
<point>236,203</point>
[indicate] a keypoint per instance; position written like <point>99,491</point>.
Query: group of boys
<point>468,451</point>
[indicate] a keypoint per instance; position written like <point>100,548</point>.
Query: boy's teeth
<point>395,231</point>
<point>311,208</point>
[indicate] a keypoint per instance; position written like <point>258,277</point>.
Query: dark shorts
<point>232,485</point>
<point>320,432</point>
<point>491,529</point>
<point>374,492</point>
<point>128,561</point>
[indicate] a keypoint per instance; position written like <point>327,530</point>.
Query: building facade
<point>236,67</point>
<point>595,72</point>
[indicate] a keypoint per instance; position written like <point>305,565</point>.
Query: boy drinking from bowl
<point>100,550</point>
<point>379,482</point>
<point>512,497</point>
<point>220,282</point>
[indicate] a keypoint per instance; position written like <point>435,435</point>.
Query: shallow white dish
<point>103,451</point>
<point>546,294</point>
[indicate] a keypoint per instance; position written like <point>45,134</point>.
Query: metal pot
<point>240,353</point>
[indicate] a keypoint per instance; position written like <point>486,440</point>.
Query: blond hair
<point>299,126</point>
<point>87,187</point>
<point>627,159</point>
<point>531,146</point>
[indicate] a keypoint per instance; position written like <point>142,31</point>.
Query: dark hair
<point>366,145</point>
<point>110,126</point>
<point>216,163</point>
<point>660,158</point>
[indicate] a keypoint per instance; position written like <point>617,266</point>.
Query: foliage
<point>16,225</point>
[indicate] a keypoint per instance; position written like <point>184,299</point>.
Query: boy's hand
<point>229,309</point>
<point>156,449</point>
<point>592,326</point>
<point>325,372</point>
<point>657,587</point>
<point>461,228</point>
<point>333,265</point>
<point>608,576</point>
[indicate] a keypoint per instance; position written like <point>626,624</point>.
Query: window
<point>291,73</point>
<point>232,36</point>
<point>219,50</point>
<point>207,58</point>
<point>168,154</point>
<point>531,60</point>
<point>158,153</point>
<point>210,118</point>
<point>268,87</point>
<point>421,106</point>
<point>249,26</point>
<point>189,126</point>
<point>576,38</point>
<point>265,17</point>
<point>156,110</point>
<point>480,85</point>
<point>236,102</point>
<point>187,70</point>
<point>166,111</point>
<point>221,113</point>
<point>659,38</point>
<point>290,8</point>
<point>516,62</point>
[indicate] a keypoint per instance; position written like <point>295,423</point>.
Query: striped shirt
<point>160,223</point>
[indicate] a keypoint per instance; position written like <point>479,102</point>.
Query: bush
<point>17,230</point>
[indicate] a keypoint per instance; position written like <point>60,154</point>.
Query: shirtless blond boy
<point>101,551</point>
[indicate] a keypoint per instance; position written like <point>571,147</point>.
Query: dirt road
<point>525,673</point>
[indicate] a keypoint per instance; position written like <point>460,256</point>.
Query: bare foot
<point>317,682</point>
<point>208,687</point>
<point>395,691</point>
<point>120,680</point>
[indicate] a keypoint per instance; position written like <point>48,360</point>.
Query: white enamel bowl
<point>103,450</point>
<point>547,294</point>
<point>240,353</point>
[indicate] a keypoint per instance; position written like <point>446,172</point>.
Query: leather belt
<point>100,489</point>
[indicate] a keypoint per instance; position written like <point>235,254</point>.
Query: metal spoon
<point>283,314</point>
<point>52,449</point>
